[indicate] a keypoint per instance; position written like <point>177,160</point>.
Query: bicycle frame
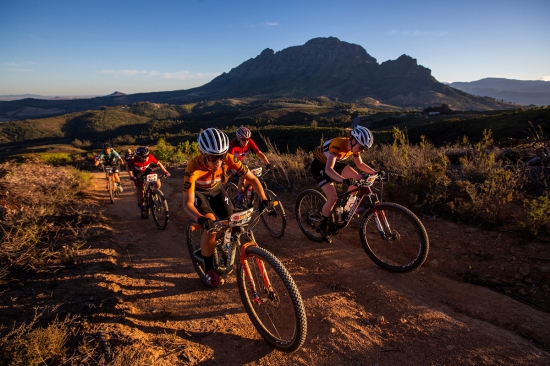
<point>362,192</point>
<point>236,232</point>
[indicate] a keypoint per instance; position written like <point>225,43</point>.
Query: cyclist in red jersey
<point>139,166</point>
<point>240,148</point>
<point>204,197</point>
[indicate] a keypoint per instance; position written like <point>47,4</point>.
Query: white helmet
<point>213,142</point>
<point>362,135</point>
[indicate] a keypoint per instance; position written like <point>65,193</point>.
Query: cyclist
<point>328,167</point>
<point>204,197</point>
<point>129,155</point>
<point>139,166</point>
<point>240,148</point>
<point>109,157</point>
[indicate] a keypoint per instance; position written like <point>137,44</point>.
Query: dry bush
<point>40,219</point>
<point>31,345</point>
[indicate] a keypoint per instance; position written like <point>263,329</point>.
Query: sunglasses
<point>215,158</point>
<point>243,140</point>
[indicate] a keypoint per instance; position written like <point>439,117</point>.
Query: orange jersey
<point>199,177</point>
<point>337,147</point>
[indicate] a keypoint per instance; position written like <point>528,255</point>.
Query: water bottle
<point>249,194</point>
<point>339,213</point>
<point>351,201</point>
<point>227,240</point>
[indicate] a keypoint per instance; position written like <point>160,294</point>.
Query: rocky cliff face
<point>329,67</point>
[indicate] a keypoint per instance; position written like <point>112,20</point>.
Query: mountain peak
<point>116,94</point>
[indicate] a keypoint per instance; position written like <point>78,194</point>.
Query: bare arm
<point>188,206</point>
<point>329,168</point>
<point>263,158</point>
<point>362,166</point>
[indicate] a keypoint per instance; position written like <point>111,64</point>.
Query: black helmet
<point>142,151</point>
<point>106,145</point>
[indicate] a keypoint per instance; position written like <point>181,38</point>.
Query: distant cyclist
<point>128,155</point>
<point>139,166</point>
<point>240,148</point>
<point>204,197</point>
<point>328,167</point>
<point>109,157</point>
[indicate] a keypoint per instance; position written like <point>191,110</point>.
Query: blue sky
<point>62,47</point>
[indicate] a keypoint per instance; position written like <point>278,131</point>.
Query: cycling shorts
<point>115,166</point>
<point>318,171</point>
<point>140,181</point>
<point>215,201</point>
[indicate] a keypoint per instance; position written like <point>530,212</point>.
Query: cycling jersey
<point>337,147</point>
<point>140,167</point>
<point>201,178</point>
<point>113,158</point>
<point>241,152</point>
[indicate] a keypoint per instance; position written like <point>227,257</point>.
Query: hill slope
<point>321,67</point>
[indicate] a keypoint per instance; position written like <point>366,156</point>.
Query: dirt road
<point>139,283</point>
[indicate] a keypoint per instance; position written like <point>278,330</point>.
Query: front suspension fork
<point>248,274</point>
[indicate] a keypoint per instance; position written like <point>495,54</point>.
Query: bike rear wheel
<point>275,220</point>
<point>194,247</point>
<point>159,209</point>
<point>111,187</point>
<point>277,311</point>
<point>308,210</point>
<point>400,243</point>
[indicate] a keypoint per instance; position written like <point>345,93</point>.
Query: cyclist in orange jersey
<point>328,167</point>
<point>204,197</point>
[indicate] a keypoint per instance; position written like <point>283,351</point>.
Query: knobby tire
<point>276,222</point>
<point>405,247</point>
<point>280,318</point>
<point>308,209</point>
<point>159,209</point>
<point>111,193</point>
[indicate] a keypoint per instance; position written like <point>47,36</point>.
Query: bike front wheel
<point>309,206</point>
<point>111,187</point>
<point>159,209</point>
<point>274,220</point>
<point>394,238</point>
<point>276,308</point>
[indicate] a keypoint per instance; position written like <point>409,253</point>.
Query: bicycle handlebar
<point>220,225</point>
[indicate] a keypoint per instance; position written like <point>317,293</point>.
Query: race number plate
<point>151,177</point>
<point>241,218</point>
<point>257,172</point>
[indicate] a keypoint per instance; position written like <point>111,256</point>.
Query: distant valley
<point>524,92</point>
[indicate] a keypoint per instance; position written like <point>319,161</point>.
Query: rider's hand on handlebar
<point>266,204</point>
<point>133,179</point>
<point>268,166</point>
<point>349,181</point>
<point>167,174</point>
<point>381,173</point>
<point>205,222</point>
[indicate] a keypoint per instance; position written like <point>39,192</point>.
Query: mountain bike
<point>391,235</point>
<point>275,220</point>
<point>267,290</point>
<point>112,187</point>
<point>154,201</point>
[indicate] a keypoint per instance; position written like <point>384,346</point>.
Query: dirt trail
<point>139,282</point>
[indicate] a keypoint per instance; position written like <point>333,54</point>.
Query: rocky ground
<point>481,298</point>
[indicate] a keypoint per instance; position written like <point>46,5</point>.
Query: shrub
<point>538,215</point>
